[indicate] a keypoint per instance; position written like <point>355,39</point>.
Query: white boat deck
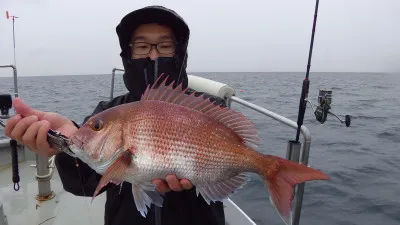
<point>62,209</point>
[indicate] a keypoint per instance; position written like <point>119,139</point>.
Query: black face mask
<point>139,73</point>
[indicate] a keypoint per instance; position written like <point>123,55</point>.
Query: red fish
<point>170,132</point>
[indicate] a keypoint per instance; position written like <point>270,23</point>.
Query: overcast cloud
<point>56,37</point>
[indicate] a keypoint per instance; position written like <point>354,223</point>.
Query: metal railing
<point>112,82</point>
<point>293,148</point>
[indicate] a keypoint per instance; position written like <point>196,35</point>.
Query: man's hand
<point>172,184</point>
<point>30,127</point>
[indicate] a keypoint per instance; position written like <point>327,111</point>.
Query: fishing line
<point>83,187</point>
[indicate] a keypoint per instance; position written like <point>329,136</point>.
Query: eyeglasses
<point>143,48</point>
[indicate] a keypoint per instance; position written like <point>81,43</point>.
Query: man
<point>153,41</point>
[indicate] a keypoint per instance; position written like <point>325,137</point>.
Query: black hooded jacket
<point>179,208</point>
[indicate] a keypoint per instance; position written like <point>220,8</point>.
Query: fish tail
<point>280,176</point>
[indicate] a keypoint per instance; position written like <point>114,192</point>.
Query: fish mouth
<point>77,146</point>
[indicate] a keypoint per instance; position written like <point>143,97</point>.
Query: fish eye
<point>97,125</point>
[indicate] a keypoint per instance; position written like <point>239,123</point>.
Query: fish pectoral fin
<point>132,150</point>
<point>221,190</point>
<point>144,197</point>
<point>115,172</point>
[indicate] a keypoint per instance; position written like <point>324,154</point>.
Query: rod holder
<point>293,151</point>
<point>43,178</point>
<point>293,154</point>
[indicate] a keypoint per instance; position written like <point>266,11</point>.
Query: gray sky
<point>78,36</point>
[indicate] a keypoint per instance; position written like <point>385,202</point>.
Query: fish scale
<point>171,132</point>
<point>163,127</point>
<point>181,159</point>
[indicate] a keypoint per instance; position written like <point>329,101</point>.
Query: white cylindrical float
<point>211,87</point>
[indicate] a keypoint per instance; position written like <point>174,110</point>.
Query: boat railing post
<point>15,81</point>
<point>43,177</point>
<point>301,186</point>
<point>228,102</point>
<point>112,82</point>
<point>293,151</point>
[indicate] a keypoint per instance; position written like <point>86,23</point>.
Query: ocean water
<point>362,160</point>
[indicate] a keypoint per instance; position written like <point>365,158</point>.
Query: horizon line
<point>192,72</point>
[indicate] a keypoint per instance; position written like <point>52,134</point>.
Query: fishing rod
<point>325,96</point>
<point>321,112</point>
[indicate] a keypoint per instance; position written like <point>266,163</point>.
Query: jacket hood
<point>153,14</point>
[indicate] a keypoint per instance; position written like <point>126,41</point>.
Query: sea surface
<point>362,160</point>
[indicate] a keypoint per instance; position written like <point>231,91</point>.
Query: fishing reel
<point>323,109</point>
<point>5,105</point>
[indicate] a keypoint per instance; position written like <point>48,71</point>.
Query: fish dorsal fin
<point>162,91</point>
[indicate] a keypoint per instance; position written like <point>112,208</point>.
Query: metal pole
<point>112,82</point>
<point>44,186</point>
<point>284,120</point>
<point>45,169</point>
<point>13,19</point>
<point>15,82</point>
<point>300,187</point>
<point>293,151</point>
<point>112,85</point>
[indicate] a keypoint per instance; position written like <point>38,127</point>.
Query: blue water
<point>362,160</point>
